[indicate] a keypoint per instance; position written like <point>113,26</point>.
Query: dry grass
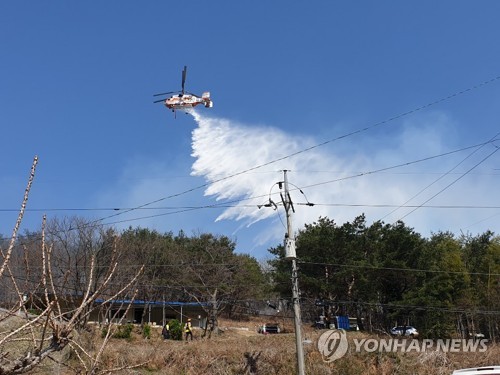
<point>240,351</point>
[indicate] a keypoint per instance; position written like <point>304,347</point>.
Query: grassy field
<point>239,349</point>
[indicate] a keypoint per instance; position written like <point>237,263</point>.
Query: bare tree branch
<point>7,255</point>
<point>61,310</point>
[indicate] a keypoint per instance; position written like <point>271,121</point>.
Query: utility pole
<point>291,254</point>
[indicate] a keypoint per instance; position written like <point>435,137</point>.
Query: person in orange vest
<point>188,329</point>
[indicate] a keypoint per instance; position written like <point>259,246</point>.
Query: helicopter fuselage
<point>188,101</point>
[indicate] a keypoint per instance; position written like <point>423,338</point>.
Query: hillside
<point>239,349</point>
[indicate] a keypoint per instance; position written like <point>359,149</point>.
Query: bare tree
<point>210,271</point>
<point>30,339</point>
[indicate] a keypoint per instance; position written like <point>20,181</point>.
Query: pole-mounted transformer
<point>290,252</point>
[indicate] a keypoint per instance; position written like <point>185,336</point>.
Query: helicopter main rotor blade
<point>158,101</point>
<point>184,72</point>
<point>166,93</point>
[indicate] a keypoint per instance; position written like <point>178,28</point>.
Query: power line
<point>376,268</point>
<point>223,205</point>
<point>399,165</point>
<point>346,177</point>
<point>340,265</point>
<point>228,204</point>
<point>402,206</point>
<point>453,182</point>
<point>384,122</point>
<point>438,179</point>
<point>394,306</point>
<point>328,182</point>
<point>182,209</point>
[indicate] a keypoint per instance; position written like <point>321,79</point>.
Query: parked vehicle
<point>488,370</point>
<point>404,331</point>
<point>269,328</point>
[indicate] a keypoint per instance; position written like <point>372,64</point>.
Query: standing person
<point>188,329</point>
<point>166,331</point>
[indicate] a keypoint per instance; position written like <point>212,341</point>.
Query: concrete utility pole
<point>290,254</point>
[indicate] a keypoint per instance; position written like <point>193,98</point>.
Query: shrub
<point>175,329</point>
<point>123,331</point>
<point>146,331</point>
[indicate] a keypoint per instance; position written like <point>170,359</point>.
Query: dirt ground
<point>240,349</point>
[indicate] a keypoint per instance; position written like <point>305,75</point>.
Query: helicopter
<point>183,99</point>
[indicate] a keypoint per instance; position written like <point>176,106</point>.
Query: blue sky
<point>314,87</point>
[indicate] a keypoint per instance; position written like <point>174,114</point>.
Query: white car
<point>404,331</point>
<point>489,370</point>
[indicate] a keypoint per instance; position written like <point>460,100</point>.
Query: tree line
<point>200,268</point>
<point>388,274</point>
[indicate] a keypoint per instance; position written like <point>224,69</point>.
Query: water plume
<point>223,149</point>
